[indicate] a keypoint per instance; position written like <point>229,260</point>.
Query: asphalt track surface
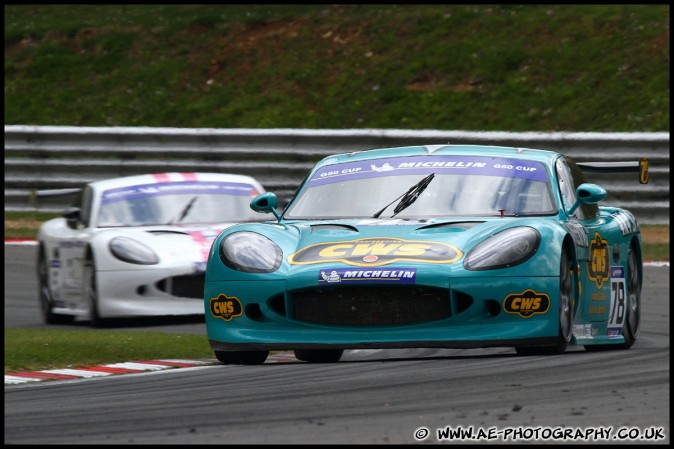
<point>373,396</point>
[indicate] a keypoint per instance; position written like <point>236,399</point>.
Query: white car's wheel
<point>45,298</point>
<point>91,292</point>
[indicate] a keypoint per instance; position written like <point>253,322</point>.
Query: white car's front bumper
<point>150,292</point>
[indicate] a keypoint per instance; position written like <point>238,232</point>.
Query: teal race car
<point>446,246</point>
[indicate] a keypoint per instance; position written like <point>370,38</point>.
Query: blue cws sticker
<point>188,187</point>
<point>348,275</point>
<point>424,165</point>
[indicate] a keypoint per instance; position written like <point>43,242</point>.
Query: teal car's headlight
<point>505,249</point>
<point>250,252</point>
<point>132,251</point>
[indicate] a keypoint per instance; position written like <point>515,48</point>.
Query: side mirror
<point>266,203</point>
<point>73,216</point>
<point>588,194</point>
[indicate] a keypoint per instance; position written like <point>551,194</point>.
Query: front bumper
<point>151,292</point>
<point>479,313</point>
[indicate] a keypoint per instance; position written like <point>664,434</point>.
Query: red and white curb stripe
<point>121,368</point>
<point>103,370</point>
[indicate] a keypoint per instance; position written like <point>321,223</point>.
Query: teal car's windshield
<point>460,186</point>
<point>177,203</point>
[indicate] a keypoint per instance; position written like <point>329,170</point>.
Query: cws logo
<point>598,268</point>
<point>377,251</point>
<point>225,307</point>
<point>527,303</point>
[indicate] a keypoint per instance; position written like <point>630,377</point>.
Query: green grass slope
<point>459,67</point>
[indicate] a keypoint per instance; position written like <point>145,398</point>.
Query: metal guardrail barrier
<point>63,157</point>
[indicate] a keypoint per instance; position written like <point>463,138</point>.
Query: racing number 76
<point>618,300</point>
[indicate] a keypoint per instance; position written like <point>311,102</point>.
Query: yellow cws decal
<point>225,307</point>
<point>377,251</point>
<point>526,304</point>
<point>598,268</point>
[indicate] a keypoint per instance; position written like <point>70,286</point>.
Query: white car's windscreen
<point>460,186</point>
<point>177,203</point>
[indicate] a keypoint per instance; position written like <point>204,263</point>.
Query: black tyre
<point>91,293</point>
<point>633,313</point>
<point>319,355</point>
<point>566,303</point>
<point>631,328</point>
<point>242,357</point>
<point>46,304</point>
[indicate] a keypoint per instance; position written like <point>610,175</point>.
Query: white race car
<point>138,245</point>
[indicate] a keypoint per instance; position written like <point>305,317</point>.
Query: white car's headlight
<point>250,252</point>
<point>132,251</point>
<point>505,249</point>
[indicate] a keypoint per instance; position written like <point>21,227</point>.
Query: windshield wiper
<point>408,197</point>
<point>185,211</point>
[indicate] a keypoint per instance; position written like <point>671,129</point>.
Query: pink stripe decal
<point>189,176</point>
<point>204,242</point>
<point>161,177</point>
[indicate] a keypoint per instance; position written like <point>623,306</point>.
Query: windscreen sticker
<point>617,307</point>
<point>225,307</point>
<point>360,275</point>
<point>598,268</point>
<point>376,251</point>
<point>173,188</point>
<point>425,165</point>
<point>527,303</point>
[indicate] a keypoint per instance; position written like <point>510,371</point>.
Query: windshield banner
<point>424,165</point>
<point>178,188</point>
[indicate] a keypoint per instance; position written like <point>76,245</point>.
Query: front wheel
<point>91,293</point>
<point>46,303</point>
<point>566,301</point>
<point>319,355</point>
<point>242,357</point>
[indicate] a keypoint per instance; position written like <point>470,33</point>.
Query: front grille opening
<point>277,303</point>
<point>187,286</point>
<point>254,312</point>
<point>370,305</point>
<point>462,301</point>
<point>493,307</point>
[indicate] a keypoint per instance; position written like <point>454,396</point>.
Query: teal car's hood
<point>378,242</point>
<point>442,243</point>
<point>375,242</point>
